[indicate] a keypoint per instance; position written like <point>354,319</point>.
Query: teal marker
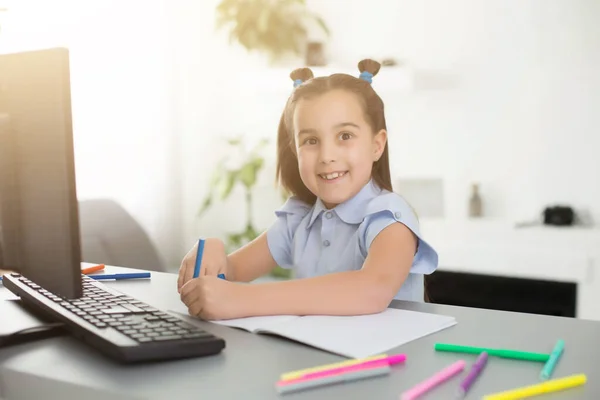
<point>551,363</point>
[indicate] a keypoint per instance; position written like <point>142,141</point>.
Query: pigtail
<point>301,75</point>
<point>369,65</point>
<point>368,69</point>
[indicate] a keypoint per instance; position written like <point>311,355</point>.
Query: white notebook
<point>352,336</point>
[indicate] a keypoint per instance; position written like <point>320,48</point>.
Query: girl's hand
<point>214,262</point>
<point>212,298</point>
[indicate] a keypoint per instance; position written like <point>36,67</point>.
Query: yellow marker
<point>299,373</point>
<point>550,386</point>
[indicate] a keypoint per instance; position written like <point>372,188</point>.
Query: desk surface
<point>62,367</point>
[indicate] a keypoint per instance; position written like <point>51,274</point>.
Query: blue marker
<point>199,258</point>
<point>137,275</point>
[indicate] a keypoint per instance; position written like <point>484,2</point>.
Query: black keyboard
<point>119,326</point>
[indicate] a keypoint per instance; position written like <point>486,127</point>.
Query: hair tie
<point>367,76</point>
<point>298,82</point>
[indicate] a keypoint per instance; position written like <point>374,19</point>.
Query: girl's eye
<point>310,141</point>
<point>346,136</point>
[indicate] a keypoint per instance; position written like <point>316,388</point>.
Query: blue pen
<point>199,260</point>
<point>137,275</point>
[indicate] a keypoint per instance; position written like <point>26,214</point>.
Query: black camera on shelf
<point>559,216</point>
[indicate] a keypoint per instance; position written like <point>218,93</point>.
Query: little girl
<point>352,243</point>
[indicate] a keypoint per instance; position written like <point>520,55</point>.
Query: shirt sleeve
<point>280,234</point>
<point>388,209</point>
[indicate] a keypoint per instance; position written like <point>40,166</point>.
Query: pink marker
<point>380,362</point>
<point>435,380</point>
<point>360,374</point>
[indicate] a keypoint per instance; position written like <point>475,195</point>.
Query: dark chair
<point>111,236</point>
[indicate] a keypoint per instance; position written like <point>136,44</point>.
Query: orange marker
<point>90,270</point>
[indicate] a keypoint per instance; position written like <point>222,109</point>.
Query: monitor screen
<point>39,224</point>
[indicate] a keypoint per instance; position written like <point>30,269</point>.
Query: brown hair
<point>287,173</point>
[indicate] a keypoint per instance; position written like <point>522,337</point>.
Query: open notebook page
<point>364,335</point>
<point>251,324</point>
<point>257,324</point>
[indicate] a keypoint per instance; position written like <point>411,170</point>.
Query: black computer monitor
<point>39,219</point>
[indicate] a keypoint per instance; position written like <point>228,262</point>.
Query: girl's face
<point>336,146</point>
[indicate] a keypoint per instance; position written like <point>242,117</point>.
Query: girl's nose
<point>327,153</point>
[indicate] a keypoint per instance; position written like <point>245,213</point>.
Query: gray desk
<point>63,368</point>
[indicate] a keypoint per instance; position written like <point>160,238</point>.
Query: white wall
<point>126,146</point>
<point>518,115</point>
<point>502,93</point>
<point>217,98</point>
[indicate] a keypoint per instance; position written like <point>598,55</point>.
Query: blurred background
<point>492,109</point>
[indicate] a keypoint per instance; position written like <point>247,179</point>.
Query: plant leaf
<point>262,22</point>
<point>205,205</point>
<point>273,26</point>
<point>234,141</point>
<point>321,22</point>
<point>247,174</point>
<point>234,241</point>
<point>259,146</point>
<point>217,175</point>
<point>227,184</point>
<point>250,234</point>
<point>258,163</point>
<point>215,180</point>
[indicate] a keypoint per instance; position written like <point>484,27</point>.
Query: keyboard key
<point>133,308</point>
<point>116,310</point>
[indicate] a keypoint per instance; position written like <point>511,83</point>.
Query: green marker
<point>551,363</point>
<point>514,354</point>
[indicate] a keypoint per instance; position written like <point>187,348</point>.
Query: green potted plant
<point>276,27</point>
<point>224,180</point>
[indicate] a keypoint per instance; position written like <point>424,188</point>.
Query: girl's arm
<point>366,291</point>
<point>251,261</point>
<point>255,259</point>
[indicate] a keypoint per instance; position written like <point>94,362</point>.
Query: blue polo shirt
<point>314,241</point>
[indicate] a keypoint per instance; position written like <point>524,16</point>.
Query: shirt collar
<point>352,210</point>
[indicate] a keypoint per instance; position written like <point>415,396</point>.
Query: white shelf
<point>495,247</point>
